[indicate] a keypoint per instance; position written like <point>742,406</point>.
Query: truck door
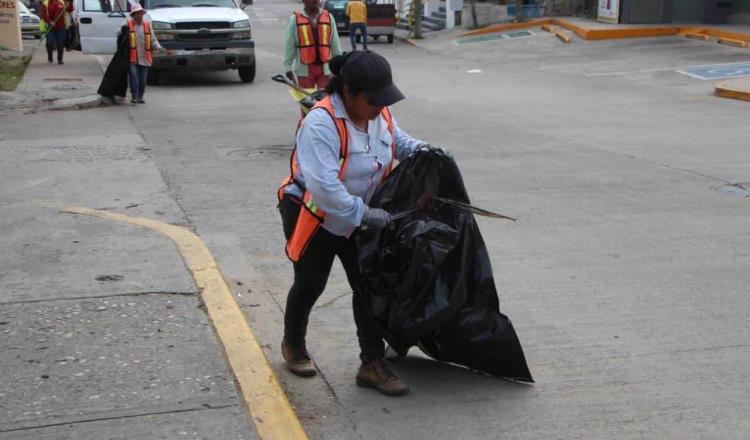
<point>100,21</point>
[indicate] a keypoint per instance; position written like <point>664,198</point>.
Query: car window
<point>106,5</point>
<point>22,8</point>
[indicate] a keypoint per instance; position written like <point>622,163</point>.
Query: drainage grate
<point>741,189</point>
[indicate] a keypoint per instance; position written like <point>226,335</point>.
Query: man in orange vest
<point>311,40</point>
<point>142,44</point>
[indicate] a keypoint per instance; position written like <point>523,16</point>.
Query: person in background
<point>356,10</point>
<point>71,20</point>
<point>310,41</point>
<point>142,44</point>
<point>53,14</point>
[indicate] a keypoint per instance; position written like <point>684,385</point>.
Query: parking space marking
<point>719,71</point>
<point>662,69</point>
<point>261,391</point>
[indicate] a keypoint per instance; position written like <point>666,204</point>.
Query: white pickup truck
<point>198,34</point>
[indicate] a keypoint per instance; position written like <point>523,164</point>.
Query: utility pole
<point>418,8</point>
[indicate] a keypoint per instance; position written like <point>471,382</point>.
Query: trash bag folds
<point>427,277</point>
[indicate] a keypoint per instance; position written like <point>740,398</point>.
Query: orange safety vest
<point>310,50</point>
<point>147,34</point>
<point>310,215</point>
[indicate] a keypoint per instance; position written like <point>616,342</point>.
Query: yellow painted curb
<point>264,397</point>
<point>732,42</point>
<point>725,91</point>
<point>612,34</point>
<point>548,28</point>
<point>565,39</point>
<point>696,36</point>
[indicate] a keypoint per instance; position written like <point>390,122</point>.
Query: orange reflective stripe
<point>386,113</point>
<point>310,215</point>
<point>131,35</point>
<point>305,229</point>
<point>133,42</point>
<point>305,39</point>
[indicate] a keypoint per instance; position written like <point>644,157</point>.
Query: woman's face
<point>359,107</point>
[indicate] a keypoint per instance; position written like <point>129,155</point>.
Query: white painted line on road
<point>627,72</point>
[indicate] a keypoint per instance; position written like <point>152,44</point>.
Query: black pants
<point>56,40</point>
<point>310,277</point>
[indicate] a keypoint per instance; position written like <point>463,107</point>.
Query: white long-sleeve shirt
<point>318,149</point>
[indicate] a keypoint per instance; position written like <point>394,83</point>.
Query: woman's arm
<point>405,144</point>
<point>318,149</point>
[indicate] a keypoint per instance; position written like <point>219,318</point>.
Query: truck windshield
<point>156,4</point>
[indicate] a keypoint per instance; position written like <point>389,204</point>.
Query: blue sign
<point>720,71</point>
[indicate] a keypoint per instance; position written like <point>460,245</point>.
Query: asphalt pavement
<point>625,276</point>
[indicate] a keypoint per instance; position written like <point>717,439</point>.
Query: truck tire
<point>152,77</point>
<point>247,74</point>
<point>390,39</point>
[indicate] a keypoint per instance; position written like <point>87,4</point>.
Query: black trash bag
<point>115,79</point>
<point>427,278</point>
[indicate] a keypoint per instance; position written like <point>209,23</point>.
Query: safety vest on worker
<point>310,215</point>
<point>314,47</point>
<point>42,23</point>
<point>133,42</point>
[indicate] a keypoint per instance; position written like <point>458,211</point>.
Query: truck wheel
<point>247,74</point>
<point>152,77</point>
<point>376,37</point>
<point>390,39</point>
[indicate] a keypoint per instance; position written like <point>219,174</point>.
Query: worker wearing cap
<point>346,146</point>
<point>142,43</point>
<point>310,41</point>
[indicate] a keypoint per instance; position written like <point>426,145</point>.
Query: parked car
<point>337,8</point>
<point>29,21</point>
<point>198,34</point>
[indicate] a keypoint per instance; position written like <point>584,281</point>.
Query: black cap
<point>371,73</point>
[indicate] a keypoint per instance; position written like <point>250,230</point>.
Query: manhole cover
<point>741,189</point>
<point>266,152</point>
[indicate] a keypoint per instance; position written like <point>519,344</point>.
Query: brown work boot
<point>376,374</point>
<point>298,360</point>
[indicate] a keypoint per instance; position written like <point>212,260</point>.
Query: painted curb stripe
<point>725,91</point>
<point>611,33</point>
<point>264,397</point>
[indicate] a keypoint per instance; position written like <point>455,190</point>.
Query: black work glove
<point>375,218</point>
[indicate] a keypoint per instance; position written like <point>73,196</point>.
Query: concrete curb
<point>726,90</point>
<point>613,34</point>
<point>80,103</point>
<point>264,397</point>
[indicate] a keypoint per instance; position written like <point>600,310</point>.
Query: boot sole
<point>364,384</point>
<point>303,373</point>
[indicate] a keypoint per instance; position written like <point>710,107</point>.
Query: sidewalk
<point>102,331</point>
<point>50,86</point>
